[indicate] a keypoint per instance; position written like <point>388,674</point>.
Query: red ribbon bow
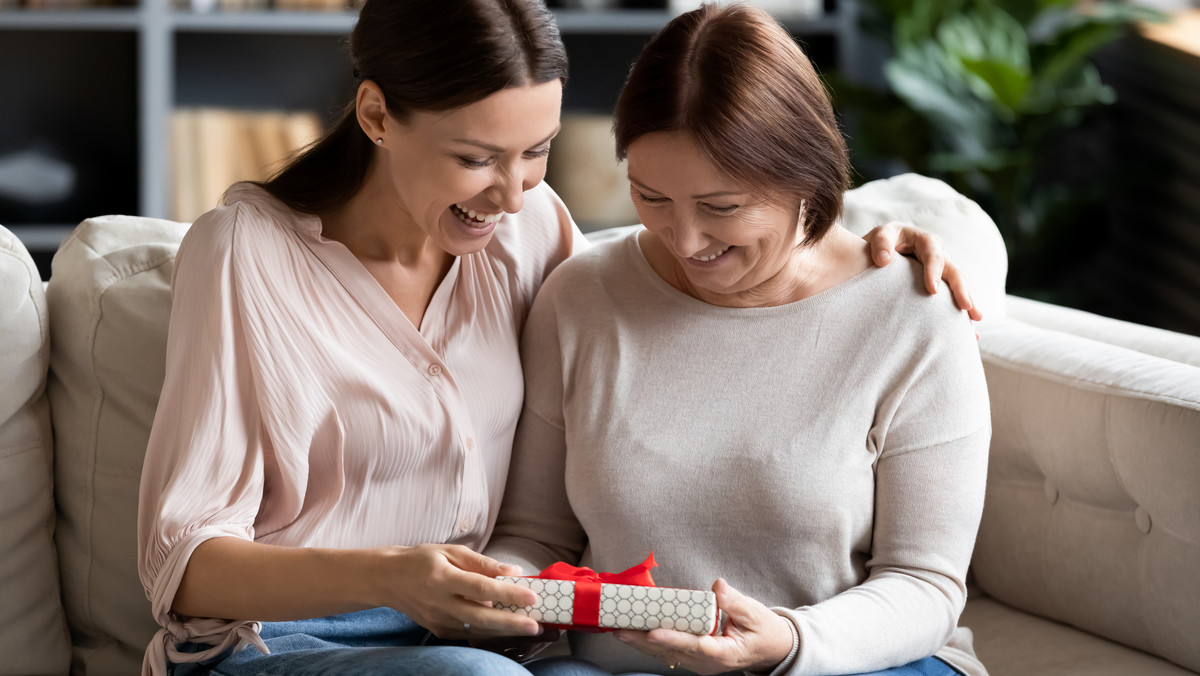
<point>586,615</point>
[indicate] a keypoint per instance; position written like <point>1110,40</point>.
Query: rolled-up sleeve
<point>203,473</point>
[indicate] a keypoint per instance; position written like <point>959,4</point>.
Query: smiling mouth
<point>712,256</point>
<point>472,217</point>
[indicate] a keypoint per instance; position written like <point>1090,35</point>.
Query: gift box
<point>581,599</point>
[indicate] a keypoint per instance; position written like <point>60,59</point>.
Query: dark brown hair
<point>425,55</point>
<point>735,81</point>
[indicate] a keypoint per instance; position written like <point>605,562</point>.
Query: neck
<point>375,227</point>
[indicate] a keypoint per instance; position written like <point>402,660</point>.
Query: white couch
<point>1088,559</point>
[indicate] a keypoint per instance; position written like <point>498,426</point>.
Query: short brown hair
<point>736,82</point>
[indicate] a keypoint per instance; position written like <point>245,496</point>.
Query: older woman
<point>737,388</point>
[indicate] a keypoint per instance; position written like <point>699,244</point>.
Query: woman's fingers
<point>483,589</point>
<point>450,590</point>
<point>471,560</point>
<point>883,242</point>
<point>962,295</point>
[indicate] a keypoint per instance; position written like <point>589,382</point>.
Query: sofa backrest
<point>110,301</point>
<point>1092,515</point>
<point>33,632</point>
<point>969,235</point>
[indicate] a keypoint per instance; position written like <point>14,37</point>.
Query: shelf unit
<point>144,61</point>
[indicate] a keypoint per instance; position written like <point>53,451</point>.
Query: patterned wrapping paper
<point>621,606</point>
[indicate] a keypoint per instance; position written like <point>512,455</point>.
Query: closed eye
<point>721,209</point>
<point>537,154</point>
<point>650,200</point>
<point>472,163</point>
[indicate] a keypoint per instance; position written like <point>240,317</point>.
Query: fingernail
<point>510,569</point>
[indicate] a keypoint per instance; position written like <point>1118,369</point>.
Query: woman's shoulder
<point>249,209</point>
<point>248,217</point>
<point>608,259</point>
<point>896,300</point>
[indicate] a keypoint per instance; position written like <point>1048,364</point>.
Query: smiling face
<point>454,174</point>
<point>711,237</point>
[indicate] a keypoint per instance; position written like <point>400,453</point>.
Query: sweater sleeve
<point>931,437</point>
<point>202,476</point>
<point>536,525</point>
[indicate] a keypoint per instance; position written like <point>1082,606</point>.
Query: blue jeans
<point>559,666</point>
<point>367,643</point>
<point>383,641</point>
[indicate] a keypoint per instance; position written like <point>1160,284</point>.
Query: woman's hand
<point>904,238</point>
<point>449,590</point>
<point>755,638</point>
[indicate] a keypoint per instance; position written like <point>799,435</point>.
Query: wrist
<point>784,648</point>
<point>371,576</point>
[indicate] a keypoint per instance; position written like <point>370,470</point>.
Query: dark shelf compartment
<point>272,71</point>
<point>79,111</point>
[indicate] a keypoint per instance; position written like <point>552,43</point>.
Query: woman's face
<point>455,173</point>
<point>731,247</point>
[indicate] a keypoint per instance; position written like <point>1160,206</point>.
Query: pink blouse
<point>302,408</point>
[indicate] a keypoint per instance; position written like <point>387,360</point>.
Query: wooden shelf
<point>126,19</point>
<point>272,21</point>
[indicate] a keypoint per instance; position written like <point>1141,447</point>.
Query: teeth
<point>478,217</point>
<point>710,257</point>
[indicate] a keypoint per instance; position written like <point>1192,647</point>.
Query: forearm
<point>232,578</point>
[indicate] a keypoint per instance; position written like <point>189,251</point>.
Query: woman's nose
<point>508,191</point>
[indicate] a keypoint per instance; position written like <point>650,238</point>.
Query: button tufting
<point>1051,492</point>
<point>1142,518</point>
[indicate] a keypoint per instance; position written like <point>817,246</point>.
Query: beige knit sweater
<point>826,457</point>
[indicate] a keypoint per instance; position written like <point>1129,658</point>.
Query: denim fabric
<point>930,666</point>
<point>382,641</point>
<point>559,666</point>
<point>367,643</point>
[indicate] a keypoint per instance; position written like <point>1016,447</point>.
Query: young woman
<point>343,376</point>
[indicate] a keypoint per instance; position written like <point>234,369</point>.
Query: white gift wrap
<point>622,606</point>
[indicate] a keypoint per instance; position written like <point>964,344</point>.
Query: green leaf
<point>991,54</point>
<point>1004,84</point>
<point>923,78</point>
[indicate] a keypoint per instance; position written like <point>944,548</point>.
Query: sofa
<point>1087,560</point>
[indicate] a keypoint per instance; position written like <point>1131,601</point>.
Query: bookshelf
<point>96,88</point>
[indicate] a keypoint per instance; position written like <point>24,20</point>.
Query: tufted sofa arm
<point>1092,516</point>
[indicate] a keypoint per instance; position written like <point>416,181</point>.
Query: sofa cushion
<point>1092,516</point>
<point>33,632</point>
<point>969,235</point>
<point>1013,643</point>
<point>110,301</point>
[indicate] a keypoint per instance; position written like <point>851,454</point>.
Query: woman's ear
<point>371,109</point>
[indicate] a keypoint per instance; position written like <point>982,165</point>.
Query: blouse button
<point>435,370</point>
<point>464,525</point>
<point>470,443</point>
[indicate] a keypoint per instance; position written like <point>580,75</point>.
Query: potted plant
<point>980,91</point>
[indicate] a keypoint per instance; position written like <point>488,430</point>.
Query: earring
<point>379,141</point>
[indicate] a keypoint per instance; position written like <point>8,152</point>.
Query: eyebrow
<point>707,195</point>
<point>498,149</point>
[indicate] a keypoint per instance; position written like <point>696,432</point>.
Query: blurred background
<point>1076,125</point>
